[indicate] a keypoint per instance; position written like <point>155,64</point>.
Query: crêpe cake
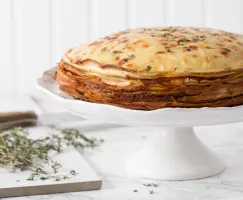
<point>153,68</point>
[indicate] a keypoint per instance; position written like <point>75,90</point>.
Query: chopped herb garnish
<point>115,52</point>
<point>183,40</point>
<point>168,49</point>
<point>124,60</point>
<point>104,49</point>
<point>148,68</point>
<point>187,48</point>
<point>227,50</point>
<point>170,29</point>
<point>131,56</point>
<point>125,46</point>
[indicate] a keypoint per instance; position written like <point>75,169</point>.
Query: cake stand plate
<point>176,153</point>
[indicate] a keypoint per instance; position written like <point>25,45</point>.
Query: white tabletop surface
<point>120,142</point>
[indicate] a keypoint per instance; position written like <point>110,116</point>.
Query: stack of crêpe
<point>152,68</point>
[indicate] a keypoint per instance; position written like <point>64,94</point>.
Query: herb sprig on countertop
<point>18,152</point>
<point>151,185</point>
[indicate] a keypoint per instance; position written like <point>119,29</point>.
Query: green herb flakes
<point>148,68</point>
<point>131,56</point>
<point>116,52</point>
<point>104,49</point>
<point>182,41</point>
<point>167,48</point>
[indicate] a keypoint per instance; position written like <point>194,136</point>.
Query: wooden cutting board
<point>15,184</point>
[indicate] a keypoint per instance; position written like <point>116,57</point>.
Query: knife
<point>9,120</point>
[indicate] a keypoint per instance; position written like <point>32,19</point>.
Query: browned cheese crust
<point>154,68</point>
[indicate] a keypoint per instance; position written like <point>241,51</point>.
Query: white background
<point>34,34</point>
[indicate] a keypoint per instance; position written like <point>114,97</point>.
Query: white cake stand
<point>176,153</point>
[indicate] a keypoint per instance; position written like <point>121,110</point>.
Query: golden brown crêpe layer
<point>150,94</point>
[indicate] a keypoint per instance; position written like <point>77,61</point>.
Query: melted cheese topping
<point>171,51</point>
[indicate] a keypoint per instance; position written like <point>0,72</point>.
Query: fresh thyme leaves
<point>48,176</point>
<point>72,138</point>
<point>151,185</point>
<point>20,153</point>
<point>55,166</point>
<point>32,176</point>
<point>148,185</point>
<point>148,68</point>
<point>151,192</point>
<point>73,172</point>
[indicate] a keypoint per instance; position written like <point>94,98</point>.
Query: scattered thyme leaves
<point>148,68</point>
<point>58,177</point>
<point>151,185</point>
<point>20,153</point>
<point>43,178</point>
<point>151,192</point>
<point>148,185</point>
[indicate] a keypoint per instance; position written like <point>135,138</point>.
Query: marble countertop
<point>122,141</point>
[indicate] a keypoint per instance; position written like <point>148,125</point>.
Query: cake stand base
<point>175,154</point>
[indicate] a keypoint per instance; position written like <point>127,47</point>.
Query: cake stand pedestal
<point>176,153</point>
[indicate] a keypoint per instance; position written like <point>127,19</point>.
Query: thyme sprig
<point>18,152</point>
<point>151,185</point>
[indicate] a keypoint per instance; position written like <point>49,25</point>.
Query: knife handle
<point>17,116</point>
<point>13,119</point>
